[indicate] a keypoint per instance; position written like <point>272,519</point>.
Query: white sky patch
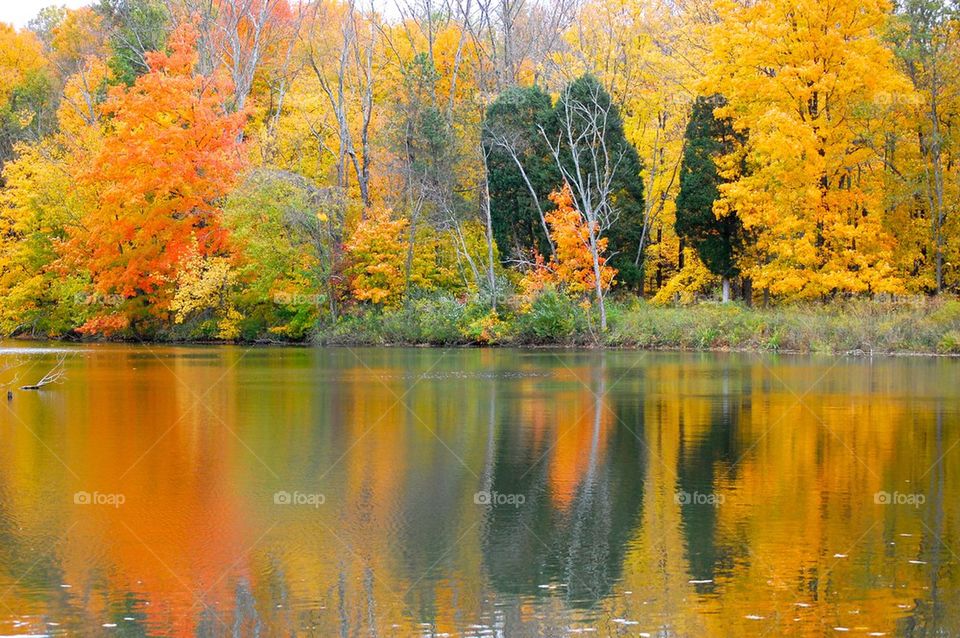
<point>20,12</point>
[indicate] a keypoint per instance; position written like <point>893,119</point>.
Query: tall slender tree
<point>717,239</point>
<point>593,155</point>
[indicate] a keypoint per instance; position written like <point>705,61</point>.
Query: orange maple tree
<point>571,266</point>
<point>171,150</point>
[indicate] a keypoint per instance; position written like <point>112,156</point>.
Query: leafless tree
<point>510,35</point>
<point>281,77</point>
<point>588,162</point>
<point>235,35</point>
<point>344,73</point>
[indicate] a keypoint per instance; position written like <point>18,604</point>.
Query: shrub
<point>552,317</point>
<point>950,343</point>
<point>438,319</point>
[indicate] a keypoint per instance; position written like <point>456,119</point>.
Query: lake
<point>214,491</point>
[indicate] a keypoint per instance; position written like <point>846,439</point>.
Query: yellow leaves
<point>204,285</point>
<point>684,286</point>
<point>37,204</point>
<point>228,327</point>
<point>376,253</point>
<point>20,55</point>
<point>813,186</point>
<point>80,106</point>
<point>80,37</point>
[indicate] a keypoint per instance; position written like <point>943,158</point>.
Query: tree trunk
<point>725,283</point>
<point>595,253</point>
<point>408,267</point>
<point>488,219</point>
<point>748,291</point>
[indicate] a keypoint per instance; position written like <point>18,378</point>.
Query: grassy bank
<point>925,326</point>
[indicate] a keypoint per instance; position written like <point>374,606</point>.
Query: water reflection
<point>582,491</point>
<point>400,492</point>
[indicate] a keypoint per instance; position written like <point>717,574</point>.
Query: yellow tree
<point>42,200</point>
<point>204,287</point>
<point>382,264</point>
<point>811,82</point>
<point>376,253</point>
<point>20,55</point>
<point>646,54</point>
<point>24,89</point>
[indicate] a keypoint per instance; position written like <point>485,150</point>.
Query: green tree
<point>926,38</point>
<point>288,236</point>
<point>717,240</point>
<point>138,26</point>
<point>521,172</point>
<point>587,139</point>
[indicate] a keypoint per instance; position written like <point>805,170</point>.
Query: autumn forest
<point>478,171</point>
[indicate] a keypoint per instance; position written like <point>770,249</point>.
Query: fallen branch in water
<point>55,375</point>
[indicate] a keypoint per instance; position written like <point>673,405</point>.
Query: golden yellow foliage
<point>204,284</point>
<point>20,55</point>
<point>693,278</point>
<point>810,82</point>
<point>377,252</point>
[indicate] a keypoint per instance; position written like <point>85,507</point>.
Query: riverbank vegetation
<point>856,327</point>
<point>697,174</point>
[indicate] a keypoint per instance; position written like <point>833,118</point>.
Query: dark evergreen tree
<point>511,134</point>
<point>514,131</point>
<point>717,241</point>
<point>596,120</point>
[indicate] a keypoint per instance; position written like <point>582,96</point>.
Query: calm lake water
<point>197,491</point>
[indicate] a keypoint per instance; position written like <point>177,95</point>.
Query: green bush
<point>438,320</point>
<point>552,318</point>
<point>950,343</point>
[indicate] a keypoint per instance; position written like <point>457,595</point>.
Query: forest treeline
<point>251,169</point>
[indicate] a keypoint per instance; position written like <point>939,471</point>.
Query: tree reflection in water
<point>593,452</point>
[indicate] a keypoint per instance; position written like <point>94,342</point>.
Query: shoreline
<point>859,328</point>
<point>558,347</point>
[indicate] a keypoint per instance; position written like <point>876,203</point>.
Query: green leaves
<point>717,240</point>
